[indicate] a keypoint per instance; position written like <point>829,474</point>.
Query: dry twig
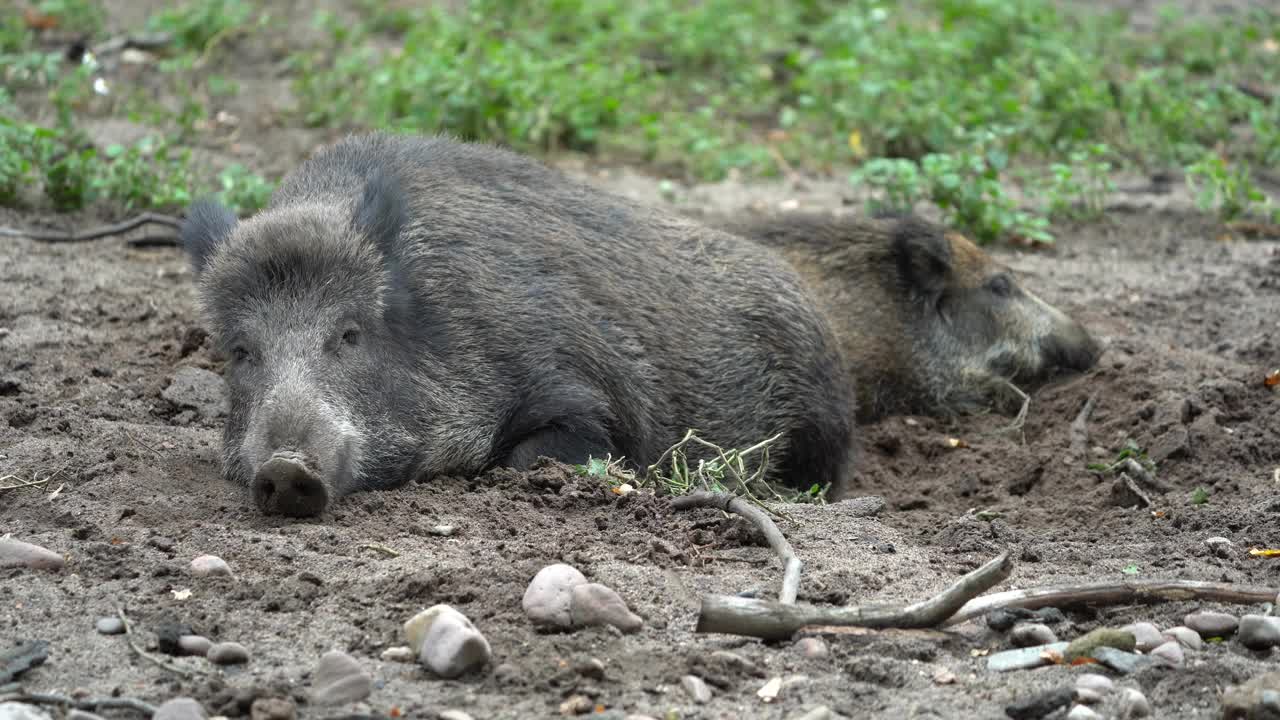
<point>731,503</point>
<point>1080,429</point>
<point>90,704</point>
<point>1114,594</point>
<point>778,621</point>
<point>133,645</point>
<point>389,552</point>
<point>59,236</point>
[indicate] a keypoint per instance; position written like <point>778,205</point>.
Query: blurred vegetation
<point>950,102</point>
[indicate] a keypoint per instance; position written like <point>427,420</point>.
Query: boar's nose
<point>284,485</point>
<point>1072,349</point>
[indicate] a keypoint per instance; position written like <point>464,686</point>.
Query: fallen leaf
<point>37,20</point>
<point>1083,661</point>
<point>769,692</point>
<point>395,711</point>
<point>979,652</point>
<point>956,443</point>
<point>623,489</point>
<point>1264,552</point>
<point>1272,379</point>
<point>1052,656</point>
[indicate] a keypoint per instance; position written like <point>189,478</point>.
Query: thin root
<point>792,566</point>
<point>90,704</point>
<point>61,236</point>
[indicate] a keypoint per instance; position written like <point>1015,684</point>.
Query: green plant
<point>1227,188</point>
<point>1078,188</point>
<point>1199,496</point>
<point>242,190</point>
<point>197,25</point>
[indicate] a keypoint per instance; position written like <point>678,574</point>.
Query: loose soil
<point>94,332</point>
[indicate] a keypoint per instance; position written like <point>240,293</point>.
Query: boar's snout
<point>1071,348</point>
<point>284,485</point>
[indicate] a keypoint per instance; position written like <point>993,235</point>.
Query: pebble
<point>1211,624</point>
<point>110,626</point>
<point>1259,632</point>
<point>21,711</point>
<point>1186,637</point>
<point>812,647</point>
<point>548,599</point>
<point>1087,696</point>
<point>1084,645</point>
<point>591,668</point>
<point>1219,546</point>
<point>446,641</point>
<point>595,604</point>
<point>1082,712</point>
<point>338,679</point>
<point>199,389</point>
<point>1024,658</point>
<point>454,715</point>
<point>696,688</point>
<point>210,566</point>
<point>867,506</point>
<point>1100,684</point>
<point>1038,706</point>
<point>194,644</point>
<point>168,631</point>
<point>1133,704</point>
<point>1145,635</point>
<point>1125,663</point>
<point>576,705</point>
<point>227,653</point>
<point>1257,698</point>
<point>399,653</point>
<point>15,553</point>
<point>1032,634</point>
<point>1170,652</point>
<point>822,712</point>
<point>272,708</point>
<point>183,708</point>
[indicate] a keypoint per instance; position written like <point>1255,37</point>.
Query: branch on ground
<point>91,704</point>
<point>791,564</point>
<point>120,228</point>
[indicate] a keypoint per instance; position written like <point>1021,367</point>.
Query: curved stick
<point>792,566</point>
<point>1114,593</point>
<point>91,704</point>
<point>778,621</point>
<point>54,236</point>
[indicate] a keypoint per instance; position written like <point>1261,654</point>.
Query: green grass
<point>946,102</point>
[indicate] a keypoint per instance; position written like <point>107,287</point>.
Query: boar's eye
<point>239,354</point>
<point>351,337</point>
<point>1000,286</point>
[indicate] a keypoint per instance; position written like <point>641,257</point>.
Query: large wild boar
<point>927,321</point>
<point>411,307</point>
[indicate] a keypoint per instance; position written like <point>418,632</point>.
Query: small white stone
<point>446,641</point>
<point>1259,632</point>
<point>338,679</point>
<point>1082,712</point>
<point>1170,652</point>
<point>21,711</point>
<point>1100,684</point>
<point>1087,696</point>
<point>1211,624</point>
<point>1146,635</point>
<point>1133,704</point>
<point>399,653</point>
<point>1188,638</point>
<point>696,688</point>
<point>210,566</point>
<point>812,647</point>
<point>595,604</point>
<point>110,626</point>
<point>1031,634</point>
<point>183,708</point>
<point>548,599</point>
<point>454,715</point>
<point>195,644</point>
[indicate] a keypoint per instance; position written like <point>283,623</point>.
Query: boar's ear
<point>923,257</point>
<point>207,225</point>
<point>382,211</point>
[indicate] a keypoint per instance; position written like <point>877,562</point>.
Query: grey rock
<point>194,644</point>
<point>1257,699</point>
<point>548,599</point>
<point>182,708</point>
<point>1082,712</point>
<point>1186,637</point>
<point>1220,546</point>
<point>110,626</point>
<point>227,653</point>
<point>696,688</point>
<point>1125,663</point>
<point>812,647</point>
<point>18,554</point>
<point>21,711</point>
<point>1170,652</point>
<point>446,642</point>
<point>1100,684</point>
<point>454,715</point>
<point>595,604</point>
<point>591,668</point>
<point>1145,635</point>
<point>867,506</point>
<point>1040,705</point>
<point>338,679</point>
<point>199,389</point>
<point>1211,624</point>
<point>1024,658</point>
<point>1031,635</point>
<point>1133,704</point>
<point>210,566</point>
<point>1259,632</point>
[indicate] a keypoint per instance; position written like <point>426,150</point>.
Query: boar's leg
<point>568,445</point>
<point>563,420</point>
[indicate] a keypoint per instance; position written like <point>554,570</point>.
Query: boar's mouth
<point>287,484</point>
<point>1070,356</point>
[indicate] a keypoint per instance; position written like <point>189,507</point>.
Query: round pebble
<point>338,679</point>
<point>812,647</point>
<point>696,688</point>
<point>1133,704</point>
<point>1100,684</point>
<point>454,715</point>
<point>1031,635</point>
<point>1145,635</point>
<point>210,566</point>
<point>1186,637</point>
<point>194,644</point>
<point>227,653</point>
<point>595,604</point>
<point>1082,712</point>
<point>1087,696</point>
<point>1170,652</point>
<point>15,553</point>
<point>110,626</point>
<point>547,600</point>
<point>1219,546</point>
<point>183,708</point>
<point>400,653</point>
<point>272,709</point>
<point>1259,632</point>
<point>1211,624</point>
<point>446,641</point>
